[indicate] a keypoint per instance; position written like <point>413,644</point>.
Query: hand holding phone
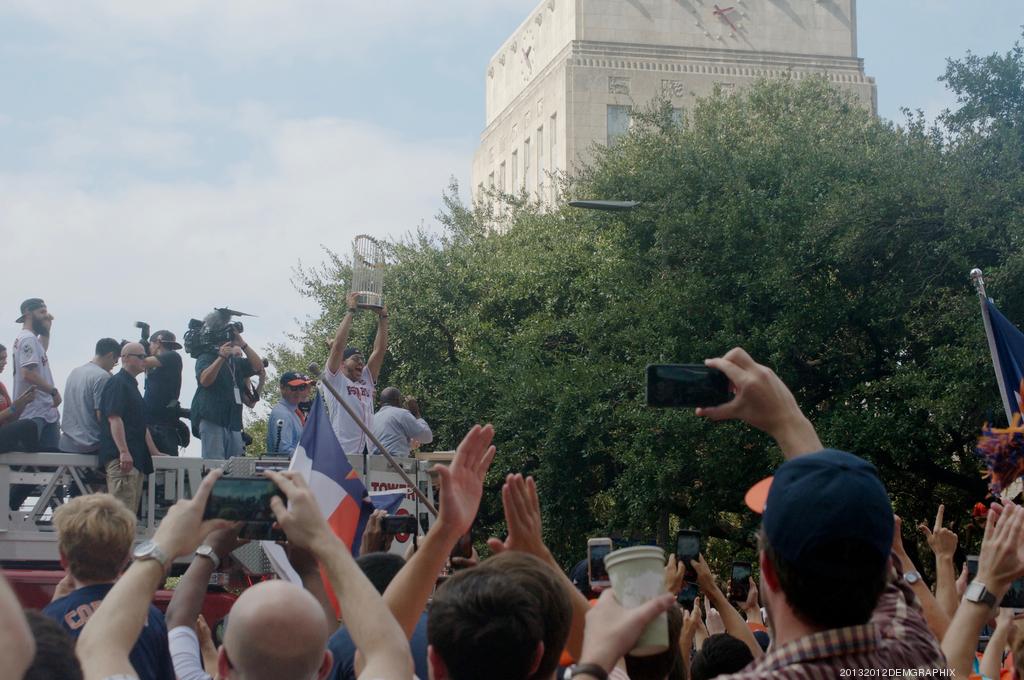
<point>686,386</point>
<point>739,583</point>
<point>687,549</point>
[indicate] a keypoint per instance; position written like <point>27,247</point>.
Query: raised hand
<point>462,482</point>
<point>941,540</point>
<point>302,521</point>
<point>612,630</point>
<point>374,539</point>
<point>1001,559</point>
<point>184,528</point>
<point>675,575</point>
<point>705,579</point>
<point>522,514</point>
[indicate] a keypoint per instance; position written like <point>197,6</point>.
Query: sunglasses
<point>298,388</point>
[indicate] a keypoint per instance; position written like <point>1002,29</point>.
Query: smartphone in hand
<point>597,550</point>
<point>686,386</point>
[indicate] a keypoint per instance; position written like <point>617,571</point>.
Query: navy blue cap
<point>349,351</point>
<point>826,497</point>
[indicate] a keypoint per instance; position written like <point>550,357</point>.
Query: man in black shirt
<point>217,405</point>
<point>163,388</point>
<point>126,448</point>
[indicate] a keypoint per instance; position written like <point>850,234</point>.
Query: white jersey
<point>29,352</point>
<point>359,395</point>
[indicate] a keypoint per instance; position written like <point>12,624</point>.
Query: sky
<point>158,159</point>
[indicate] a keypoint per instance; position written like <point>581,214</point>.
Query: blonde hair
<point>94,534</point>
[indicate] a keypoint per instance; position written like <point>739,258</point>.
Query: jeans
<point>49,434</point>
<point>19,435</point>
<point>219,442</point>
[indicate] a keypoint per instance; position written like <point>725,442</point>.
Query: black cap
<point>349,351</point>
<point>167,339</point>
<point>29,305</point>
<point>827,496</point>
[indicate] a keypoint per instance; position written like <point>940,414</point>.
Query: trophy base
<point>369,301</point>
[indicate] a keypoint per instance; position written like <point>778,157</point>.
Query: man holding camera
<point>286,418</point>
<point>354,380</point>
<point>32,368</point>
<point>217,405</point>
<point>399,429</point>
<point>163,388</point>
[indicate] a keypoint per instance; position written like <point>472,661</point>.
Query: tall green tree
<point>783,218</point>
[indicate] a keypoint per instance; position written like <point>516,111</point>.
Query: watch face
<point>143,549</point>
<point>912,577</point>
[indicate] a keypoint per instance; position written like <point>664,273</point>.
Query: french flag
<point>339,491</point>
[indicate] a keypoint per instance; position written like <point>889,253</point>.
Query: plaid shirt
<point>895,637</point>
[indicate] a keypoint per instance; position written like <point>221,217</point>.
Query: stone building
<point>571,73</point>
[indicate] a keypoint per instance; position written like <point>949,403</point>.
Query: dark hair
<point>380,568</point>
<point>2,348</point>
<point>720,654</point>
<point>391,396</point>
<point>843,596</point>
<point>55,650</point>
<point>106,346</point>
<point>668,664</point>
<point>493,616</point>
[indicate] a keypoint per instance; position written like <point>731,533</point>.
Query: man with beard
<point>32,368</point>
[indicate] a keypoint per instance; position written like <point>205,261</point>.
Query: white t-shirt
<point>28,351</point>
<point>359,395</point>
<point>185,654</point>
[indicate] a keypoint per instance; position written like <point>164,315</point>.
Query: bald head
<point>133,358</point>
<point>391,396</point>
<point>276,630</point>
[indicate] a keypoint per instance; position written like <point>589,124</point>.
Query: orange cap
<point>757,495</point>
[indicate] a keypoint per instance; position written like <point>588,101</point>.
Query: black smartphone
<point>242,499</point>
<point>739,586</point>
<point>688,548</point>
<point>972,567</point>
<point>687,595</point>
<point>686,386</point>
<point>597,550</point>
<point>398,524</point>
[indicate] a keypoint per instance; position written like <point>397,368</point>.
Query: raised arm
<point>380,344</point>
<point>522,514</point>
<point>187,601</point>
<point>763,401</point>
<point>943,543</point>
<point>999,563</point>
<point>734,623</point>
<point>17,646</point>
<point>336,357</point>
<point>111,631</point>
<point>934,615</point>
<point>374,630</point>
<point>209,374</point>
<point>255,362</point>
<point>992,660</point>
<point>461,489</point>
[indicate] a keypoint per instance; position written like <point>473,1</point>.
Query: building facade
<point>570,74</point>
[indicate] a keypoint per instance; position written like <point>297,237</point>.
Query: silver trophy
<point>368,272</point>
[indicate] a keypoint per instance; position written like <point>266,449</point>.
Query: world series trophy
<point>368,272</point>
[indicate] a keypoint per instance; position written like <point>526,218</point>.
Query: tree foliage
<point>784,218</point>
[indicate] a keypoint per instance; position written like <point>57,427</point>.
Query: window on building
<point>515,172</point>
<point>618,122</point>
<point>501,177</point>
<point>490,181</point>
<point>526,164</point>
<point>677,115</point>
<point>553,156</point>
<point>540,160</point>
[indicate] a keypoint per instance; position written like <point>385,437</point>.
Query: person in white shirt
<point>32,367</point>
<point>355,380</point>
<point>399,429</point>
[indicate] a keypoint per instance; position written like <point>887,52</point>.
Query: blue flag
<point>1009,351</point>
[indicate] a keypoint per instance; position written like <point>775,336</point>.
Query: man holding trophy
<point>354,378</point>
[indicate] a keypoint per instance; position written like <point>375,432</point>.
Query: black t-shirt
<point>121,398</point>
<point>151,655</point>
<point>163,386</point>
<point>217,403</point>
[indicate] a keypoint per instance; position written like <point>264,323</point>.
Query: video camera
<point>212,331</point>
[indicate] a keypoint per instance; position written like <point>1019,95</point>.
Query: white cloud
<point>237,29</point>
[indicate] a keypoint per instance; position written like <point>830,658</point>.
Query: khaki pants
<point>126,487</point>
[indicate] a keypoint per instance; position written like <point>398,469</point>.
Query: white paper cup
<point>638,576</point>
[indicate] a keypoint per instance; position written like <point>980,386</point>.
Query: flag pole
<point>979,286</point>
<point>376,442</point>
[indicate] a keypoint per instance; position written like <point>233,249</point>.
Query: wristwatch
<point>208,552</point>
<point>589,669</point>
<point>978,593</point>
<point>912,577</point>
<point>148,550</point>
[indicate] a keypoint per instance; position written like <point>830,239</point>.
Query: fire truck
<point>28,542</point>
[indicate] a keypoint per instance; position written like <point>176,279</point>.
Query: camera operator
<point>354,380</point>
<point>32,368</point>
<point>163,388</point>
<point>217,405</point>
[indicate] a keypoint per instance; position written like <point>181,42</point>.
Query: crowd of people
<point>837,595</point>
<point>103,413</point>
